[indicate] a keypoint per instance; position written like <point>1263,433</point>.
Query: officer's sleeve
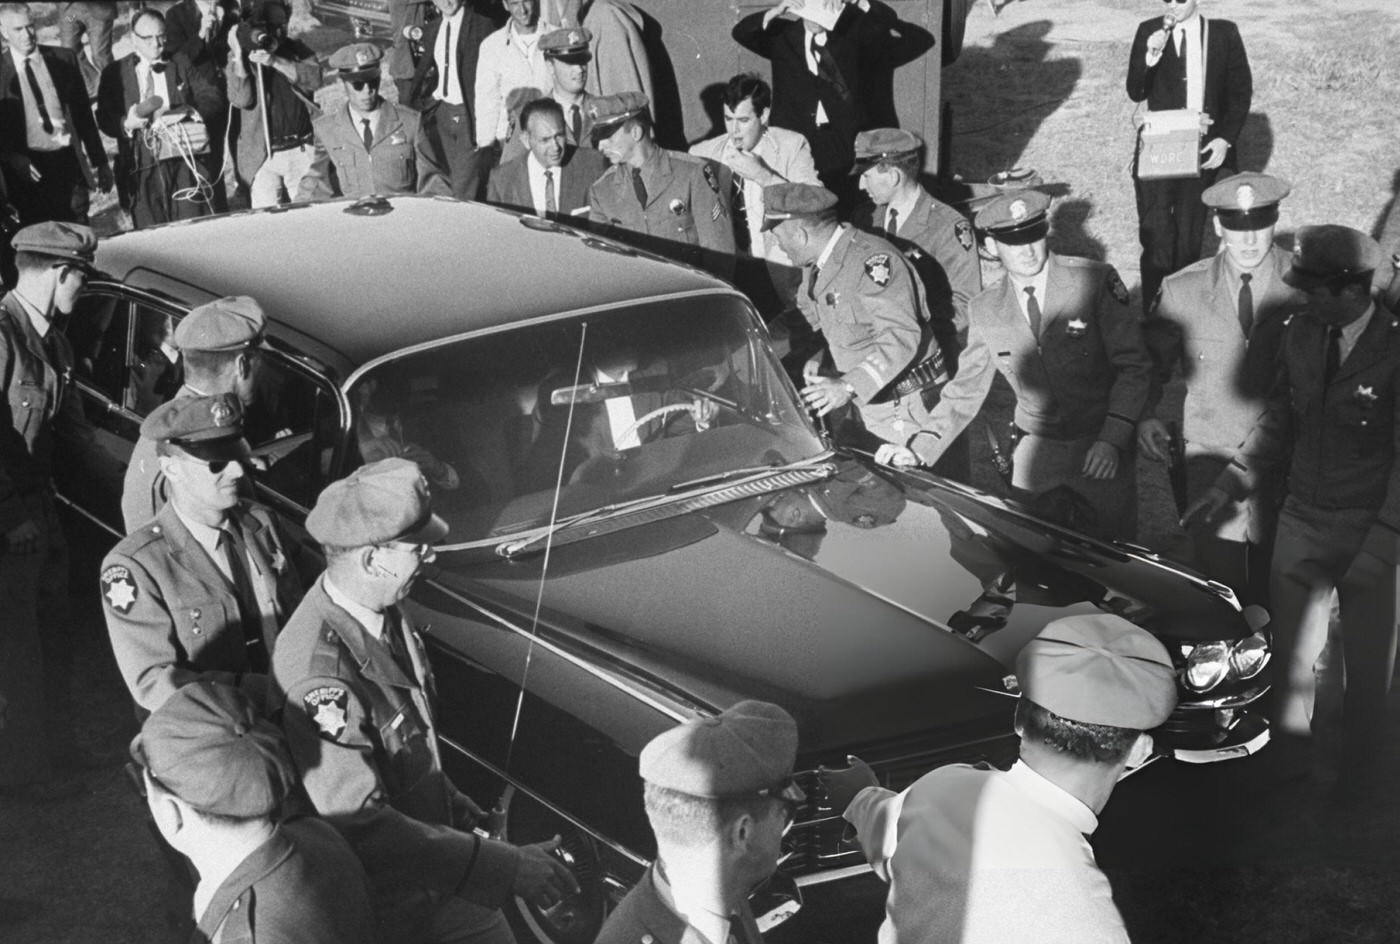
<point>1162,333</point>
<point>1269,443</point>
<point>142,631</point>
<point>12,510</point>
<point>959,401</point>
<point>1121,332</point>
<point>332,739</point>
<point>1381,539</point>
<point>963,269</point>
<point>714,227</point>
<point>317,182</point>
<point>143,486</point>
<point>889,304</point>
<point>874,815</point>
<point>595,210</point>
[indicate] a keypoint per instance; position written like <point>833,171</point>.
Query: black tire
<point>578,918</point>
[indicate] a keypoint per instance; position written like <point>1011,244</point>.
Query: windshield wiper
<point>539,535</point>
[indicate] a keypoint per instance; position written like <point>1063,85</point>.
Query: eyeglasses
<point>158,37</point>
<point>1177,2</point>
<point>360,85</point>
<point>419,551</point>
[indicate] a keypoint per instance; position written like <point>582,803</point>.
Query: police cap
<point>1331,253</point>
<point>356,60</point>
<point>788,201</point>
<point>208,428</point>
<point>1246,201</point>
<point>377,503</point>
<point>610,111</point>
<point>1015,218</point>
<point>207,745</point>
<point>1099,669</point>
<point>69,242</point>
<point>884,144</point>
<point>231,323</point>
<point>569,45</point>
<point>745,750</point>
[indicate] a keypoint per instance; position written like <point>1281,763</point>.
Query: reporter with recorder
<point>157,107</point>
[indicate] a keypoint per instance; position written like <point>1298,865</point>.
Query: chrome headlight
<point>1210,663</point>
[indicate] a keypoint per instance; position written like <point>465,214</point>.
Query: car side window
<point>155,373</point>
<point>98,330</point>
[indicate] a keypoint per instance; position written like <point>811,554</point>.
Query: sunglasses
<point>790,795</point>
<point>215,466</point>
<point>1177,2</point>
<point>360,85</point>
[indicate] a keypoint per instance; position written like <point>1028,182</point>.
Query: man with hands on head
<point>1058,328</point>
<point>1333,419</point>
<point>355,691</point>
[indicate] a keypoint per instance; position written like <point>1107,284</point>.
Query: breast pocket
<point>29,405</point>
<point>410,755</point>
<point>346,157</point>
<point>208,630</point>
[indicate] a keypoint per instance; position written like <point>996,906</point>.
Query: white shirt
<point>536,171</point>
<point>814,40</point>
<point>150,83</point>
<point>449,82</point>
<point>986,857</point>
<point>372,622</point>
<point>1039,283</point>
<point>358,117</point>
<point>622,416</point>
<point>902,210</point>
<point>1189,31</point>
<point>1351,333</point>
<point>714,927</point>
<point>37,318</point>
<point>36,138</point>
<point>208,538</point>
<point>507,60</point>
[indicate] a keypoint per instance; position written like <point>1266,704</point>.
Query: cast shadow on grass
<point>1256,143</point>
<point>1014,78</point>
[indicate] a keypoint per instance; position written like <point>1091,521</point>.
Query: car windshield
<point>604,408</point>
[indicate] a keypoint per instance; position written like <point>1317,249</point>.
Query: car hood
<point>851,600</point>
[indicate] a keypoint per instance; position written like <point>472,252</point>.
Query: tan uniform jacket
<point>939,243</point>
<point>868,304</point>
<point>1088,375</point>
<point>1340,439</point>
<point>399,160</point>
<point>1195,324</point>
<point>363,736</point>
<point>686,216</point>
<point>172,614</point>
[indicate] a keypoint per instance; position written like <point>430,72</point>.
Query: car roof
<point>364,285</point>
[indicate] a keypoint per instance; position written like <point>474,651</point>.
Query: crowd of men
<point>282,691</point>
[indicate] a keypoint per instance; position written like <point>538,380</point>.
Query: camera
<point>253,36</point>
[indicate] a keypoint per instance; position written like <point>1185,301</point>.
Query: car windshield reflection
<point>603,409</point>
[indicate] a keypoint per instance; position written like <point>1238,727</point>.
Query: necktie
<point>1246,304</point>
<point>742,240</point>
<point>892,221</point>
<point>368,135</point>
<point>446,56</point>
<point>550,205</point>
<point>398,646</point>
<point>1334,355</point>
<point>1033,310</point>
<point>576,124</point>
<point>826,69</point>
<point>33,81</point>
<point>249,613</point>
<point>639,188</point>
<point>812,285</point>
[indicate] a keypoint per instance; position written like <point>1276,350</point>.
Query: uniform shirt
<point>1351,333</point>
<point>1023,299</point>
<point>976,856</point>
<point>208,538</point>
<point>37,138</point>
<point>508,60</point>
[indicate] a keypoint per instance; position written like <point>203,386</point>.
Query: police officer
<point>659,200</point>
<point>719,794</point>
<point>1221,320</point>
<point>42,419</point>
<point>352,681</point>
<point>1059,329</point>
<point>936,239</point>
<point>1332,418</point>
<point>218,345</point>
<point>567,53</point>
<point>204,587</point>
<point>215,775</point>
<point>985,856</point>
<point>861,294</point>
<point>368,145</point>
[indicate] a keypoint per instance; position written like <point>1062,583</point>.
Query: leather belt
<point>290,141</point>
<point>929,373</point>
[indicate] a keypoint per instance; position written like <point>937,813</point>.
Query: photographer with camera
<point>271,79</point>
<point>158,108</point>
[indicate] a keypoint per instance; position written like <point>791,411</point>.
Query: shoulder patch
<point>1116,286</point>
<point>877,267</point>
<point>328,706</point>
<point>963,230</point>
<point>119,588</point>
<point>711,176</point>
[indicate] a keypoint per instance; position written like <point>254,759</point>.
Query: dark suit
<point>1339,525</point>
<point>1171,217</point>
<point>510,183</point>
<point>400,159</point>
<point>172,614</point>
<point>304,884</point>
<point>451,128</point>
<point>148,186</point>
<point>856,45</point>
<point>62,193</point>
